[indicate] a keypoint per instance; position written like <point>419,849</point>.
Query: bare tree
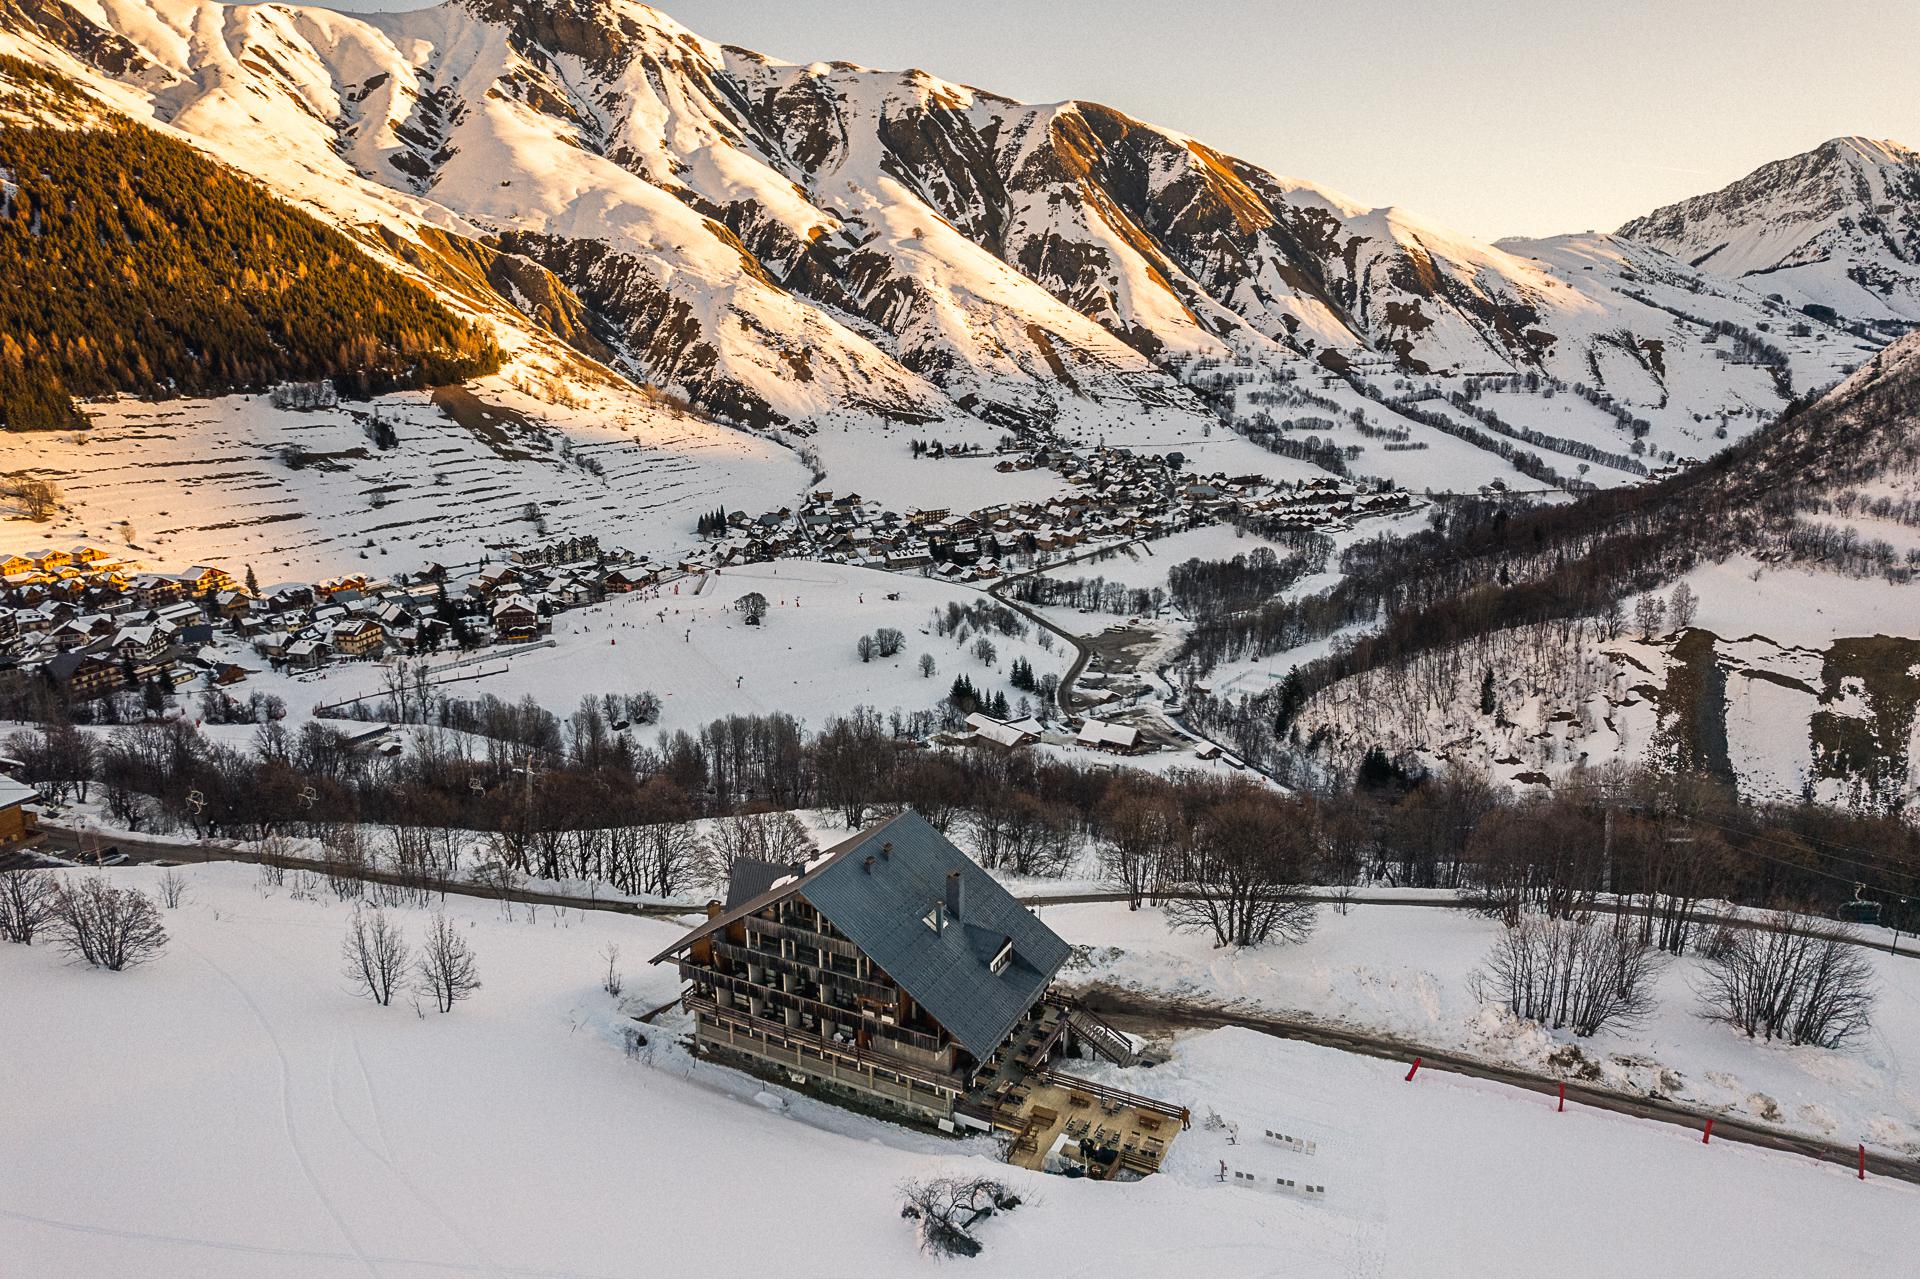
<point>888,641</point>
<point>1803,981</point>
<point>447,967</point>
<point>1583,971</point>
<point>28,901</point>
<point>376,954</point>
<point>1538,855</point>
<point>1249,859</point>
<point>38,498</point>
<point>668,850</point>
<point>173,888</point>
<point>1649,615</point>
<point>1141,829</point>
<point>927,666</point>
<point>948,1208</point>
<point>348,856</point>
<point>864,646</point>
<point>109,927</point>
<point>1681,607</point>
<point>612,983</point>
<point>763,837</point>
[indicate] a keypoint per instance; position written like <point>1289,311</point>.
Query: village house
<point>83,676</point>
<point>19,825</point>
<point>359,638</point>
<point>889,967</point>
<point>203,579</point>
<point>1102,735</point>
<point>515,619</point>
<point>306,653</point>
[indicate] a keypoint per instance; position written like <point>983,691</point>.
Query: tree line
<point>136,264</point>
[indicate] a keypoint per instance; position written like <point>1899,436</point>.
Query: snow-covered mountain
<point>1792,672</point>
<point>1837,227</point>
<point>826,246</point>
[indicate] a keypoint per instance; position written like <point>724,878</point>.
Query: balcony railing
<point>875,1028</point>
<point>796,1039</point>
<point>805,936</point>
<point>812,972</point>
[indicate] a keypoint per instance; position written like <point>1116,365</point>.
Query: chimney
<point>886,851</point>
<point>953,894</point>
<point>868,865</point>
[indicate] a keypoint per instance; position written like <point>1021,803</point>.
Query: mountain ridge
<point>1836,228</point>
<point>787,245</point>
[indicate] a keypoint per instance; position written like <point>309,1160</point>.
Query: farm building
<point>1103,735</point>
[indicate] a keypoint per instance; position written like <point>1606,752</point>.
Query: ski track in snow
<point>286,1100</point>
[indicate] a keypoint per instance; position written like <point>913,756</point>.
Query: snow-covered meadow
<point>689,644</point>
<point>232,1109</point>
<point>1406,972</point>
<point>300,495</point>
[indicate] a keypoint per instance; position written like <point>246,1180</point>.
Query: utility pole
<point>1606,856</point>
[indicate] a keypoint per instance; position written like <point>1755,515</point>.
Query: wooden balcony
<point>799,1048</point>
<point>803,936</point>
<point>877,991</point>
<point>915,1041</point>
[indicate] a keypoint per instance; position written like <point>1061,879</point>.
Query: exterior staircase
<point>1105,1041</point>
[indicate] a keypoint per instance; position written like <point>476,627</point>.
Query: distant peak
<point>1873,150</point>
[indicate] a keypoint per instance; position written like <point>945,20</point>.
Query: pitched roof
<point>883,908</point>
<point>1097,732</point>
<point>750,878</point>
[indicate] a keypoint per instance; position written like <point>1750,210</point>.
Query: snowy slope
<point>1836,227</point>
<point>830,246</point>
<point>1796,678</point>
<point>303,495</point>
<point>259,1119</point>
<point>1407,972</point>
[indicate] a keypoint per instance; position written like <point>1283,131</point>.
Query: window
<point>936,919</point>
<point>1002,959</point>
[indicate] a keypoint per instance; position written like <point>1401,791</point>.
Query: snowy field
<point>696,651</point>
<point>1146,564</point>
<point>1741,597</point>
<point>231,1110</point>
<point>878,464</point>
<point>1405,971</point>
<point>304,495</point>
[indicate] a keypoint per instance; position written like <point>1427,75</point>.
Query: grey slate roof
<point>750,878</point>
<point>882,908</point>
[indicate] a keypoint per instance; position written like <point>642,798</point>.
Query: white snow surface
<point>1405,972</point>
<point>250,1116</point>
<point>705,662</point>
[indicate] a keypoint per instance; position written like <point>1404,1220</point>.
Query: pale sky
<point>1498,117</point>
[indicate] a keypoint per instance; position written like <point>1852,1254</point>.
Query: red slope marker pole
<point>1863,1161</point>
<point>1707,1136</point>
<point>1416,1067</point>
<point>1563,1096</point>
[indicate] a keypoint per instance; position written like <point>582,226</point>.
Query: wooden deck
<point>1138,1136</point>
